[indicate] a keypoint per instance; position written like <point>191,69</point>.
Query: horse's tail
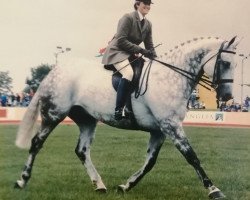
<point>28,128</point>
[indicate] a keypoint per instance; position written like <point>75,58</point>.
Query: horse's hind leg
<point>154,146</point>
<point>181,142</point>
<point>36,145</point>
<point>87,125</point>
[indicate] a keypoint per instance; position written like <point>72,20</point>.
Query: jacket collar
<point>140,16</point>
<point>136,13</point>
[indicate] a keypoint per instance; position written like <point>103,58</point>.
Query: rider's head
<point>143,6</point>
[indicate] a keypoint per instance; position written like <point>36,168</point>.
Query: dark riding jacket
<point>127,39</point>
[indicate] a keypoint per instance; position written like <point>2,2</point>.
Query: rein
<point>189,75</point>
<point>135,60</point>
<point>192,76</point>
<point>145,74</point>
<point>178,70</point>
<point>201,77</point>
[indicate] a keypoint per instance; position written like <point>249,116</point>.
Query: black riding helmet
<point>145,1</point>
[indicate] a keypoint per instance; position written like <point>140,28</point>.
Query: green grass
<point>117,154</point>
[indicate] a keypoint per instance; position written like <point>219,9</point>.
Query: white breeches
<point>127,72</point>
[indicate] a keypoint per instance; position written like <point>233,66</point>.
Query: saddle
<point>137,65</point>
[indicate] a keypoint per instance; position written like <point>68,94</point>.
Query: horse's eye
<point>225,64</point>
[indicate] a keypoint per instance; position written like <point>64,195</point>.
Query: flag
<point>101,52</point>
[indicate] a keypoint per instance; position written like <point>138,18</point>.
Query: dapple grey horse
<point>82,90</point>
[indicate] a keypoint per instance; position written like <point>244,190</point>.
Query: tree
<point>5,82</point>
<point>37,75</point>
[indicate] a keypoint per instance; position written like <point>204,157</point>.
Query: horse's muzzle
<point>227,97</point>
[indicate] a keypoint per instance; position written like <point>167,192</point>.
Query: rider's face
<point>143,8</point>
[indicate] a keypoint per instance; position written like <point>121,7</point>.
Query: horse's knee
<point>81,154</point>
<point>187,151</point>
<point>169,128</point>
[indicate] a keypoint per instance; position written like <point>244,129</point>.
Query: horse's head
<point>222,72</point>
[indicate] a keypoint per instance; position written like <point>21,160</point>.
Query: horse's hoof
<point>215,193</point>
<point>99,186</point>
<point>101,190</point>
<point>16,186</point>
<point>121,188</point>
<point>19,185</point>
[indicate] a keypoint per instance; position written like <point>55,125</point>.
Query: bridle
<point>217,79</point>
<point>219,64</point>
<point>200,79</point>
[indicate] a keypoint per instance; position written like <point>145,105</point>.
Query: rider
<point>133,29</point>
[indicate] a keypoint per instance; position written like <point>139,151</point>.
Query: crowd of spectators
<point>15,100</point>
<point>23,99</point>
<point>235,107</point>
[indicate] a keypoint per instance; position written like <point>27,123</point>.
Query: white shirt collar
<point>140,15</point>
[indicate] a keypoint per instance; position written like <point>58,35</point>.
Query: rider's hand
<point>148,53</point>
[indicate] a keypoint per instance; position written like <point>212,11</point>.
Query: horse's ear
<point>231,41</point>
<point>238,42</point>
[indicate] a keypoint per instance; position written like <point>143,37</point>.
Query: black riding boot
<point>123,91</point>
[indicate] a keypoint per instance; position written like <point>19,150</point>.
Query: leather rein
<point>201,77</point>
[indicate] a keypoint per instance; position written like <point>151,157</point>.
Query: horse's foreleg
<point>181,142</point>
<point>36,145</point>
<point>83,152</point>
<point>154,146</point>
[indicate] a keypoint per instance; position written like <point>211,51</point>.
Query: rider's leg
<point>124,86</point>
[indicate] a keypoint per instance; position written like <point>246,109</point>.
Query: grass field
<point>117,154</point>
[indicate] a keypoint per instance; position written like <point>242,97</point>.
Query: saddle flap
<point>137,64</point>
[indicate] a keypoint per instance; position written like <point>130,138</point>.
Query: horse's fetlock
<point>27,169</point>
<point>207,183</point>
<point>26,176</point>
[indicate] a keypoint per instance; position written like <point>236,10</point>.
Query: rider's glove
<point>148,53</point>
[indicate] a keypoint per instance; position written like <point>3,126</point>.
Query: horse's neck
<point>192,56</point>
<point>197,55</point>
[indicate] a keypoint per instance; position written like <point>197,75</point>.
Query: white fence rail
<point>14,115</point>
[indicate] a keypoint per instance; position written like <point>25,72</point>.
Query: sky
<point>31,30</point>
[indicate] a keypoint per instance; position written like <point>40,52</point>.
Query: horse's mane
<point>190,45</point>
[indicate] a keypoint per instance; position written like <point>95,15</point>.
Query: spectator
<point>18,99</point>
<point>223,106</point>
<point>193,98</point>
<point>4,100</point>
<point>22,99</point>
<point>203,105</point>
<point>247,101</point>
<point>13,99</point>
